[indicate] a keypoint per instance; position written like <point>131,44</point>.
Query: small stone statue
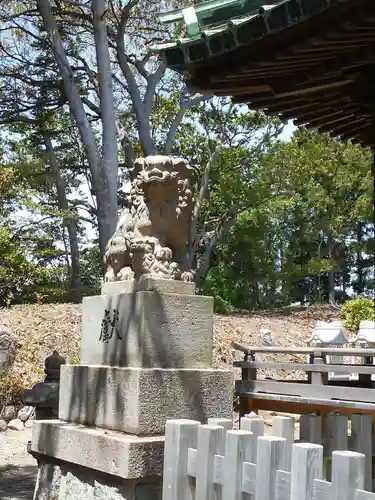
<point>44,396</point>
<point>52,367</point>
<point>7,348</point>
<point>152,235</point>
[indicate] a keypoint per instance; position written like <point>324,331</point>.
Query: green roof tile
<point>206,40</point>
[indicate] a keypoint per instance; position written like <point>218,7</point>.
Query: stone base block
<point>128,457</point>
<point>65,481</point>
<point>85,486</point>
<point>147,329</point>
<point>148,285</point>
<point>140,401</point>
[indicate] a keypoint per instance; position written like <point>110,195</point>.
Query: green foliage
<point>91,270</point>
<point>318,223</point>
<point>357,310</point>
<point>74,359</point>
<point>222,306</point>
<point>22,280</point>
<point>287,221</point>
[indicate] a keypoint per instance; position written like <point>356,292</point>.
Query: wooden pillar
<point>247,374</point>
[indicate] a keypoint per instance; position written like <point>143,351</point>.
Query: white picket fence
<point>214,462</point>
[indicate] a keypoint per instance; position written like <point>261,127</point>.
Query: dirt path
<point>17,468</point>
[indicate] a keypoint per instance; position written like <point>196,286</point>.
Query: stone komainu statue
<point>152,234</point>
<point>7,348</point>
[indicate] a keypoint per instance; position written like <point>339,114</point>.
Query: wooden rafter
<point>320,72</point>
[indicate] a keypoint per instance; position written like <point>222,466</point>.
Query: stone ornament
<point>52,366</point>
<point>366,334</point>
<point>7,348</point>
<point>328,334</point>
<point>152,234</point>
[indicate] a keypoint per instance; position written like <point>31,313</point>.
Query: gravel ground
<point>17,468</point>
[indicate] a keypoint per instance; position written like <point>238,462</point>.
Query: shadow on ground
<point>17,483</point>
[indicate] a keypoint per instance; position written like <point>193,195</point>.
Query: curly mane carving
<point>151,236</point>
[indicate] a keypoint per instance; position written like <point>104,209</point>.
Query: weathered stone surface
<point>84,487</point>
<point>8,413</point>
<point>3,426</point>
<point>151,330</point>
<point>152,232</point>
<point>125,456</point>
<point>72,482</point>
<point>148,285</point>
<point>16,425</point>
<point>140,401</point>
<point>73,488</point>
<point>7,348</point>
<point>48,482</point>
<point>25,413</point>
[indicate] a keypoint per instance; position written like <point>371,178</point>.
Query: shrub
<point>222,306</point>
<point>356,310</point>
<point>12,384</point>
<point>74,359</point>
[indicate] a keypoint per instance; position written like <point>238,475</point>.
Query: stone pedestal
<point>140,400</point>
<point>146,356</point>
<point>151,330</point>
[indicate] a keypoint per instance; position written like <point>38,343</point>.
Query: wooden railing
<point>315,388</point>
<point>211,462</point>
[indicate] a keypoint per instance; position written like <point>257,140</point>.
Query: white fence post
<point>311,429</point>
<point>180,435</point>
<point>284,427</point>
<point>270,458</point>
<point>237,451</point>
<point>348,468</point>
<point>210,442</point>
<point>256,426</point>
<point>307,465</point>
<point>362,443</point>
<point>209,462</point>
<point>337,433</point>
<point>227,423</point>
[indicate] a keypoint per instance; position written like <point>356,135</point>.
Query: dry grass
<point>289,330</point>
<point>42,328</point>
<point>39,330</point>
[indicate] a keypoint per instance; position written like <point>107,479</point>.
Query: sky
<point>288,131</point>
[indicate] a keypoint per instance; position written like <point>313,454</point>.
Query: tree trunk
<point>70,222</point>
<point>331,276</point>
<point>359,259</point>
<point>203,260</point>
<point>107,208</point>
<point>102,187</point>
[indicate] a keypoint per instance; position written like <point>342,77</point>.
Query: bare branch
<point>91,105</point>
<point>152,82</point>
<point>132,86</point>
<point>185,104</point>
<point>71,89</point>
